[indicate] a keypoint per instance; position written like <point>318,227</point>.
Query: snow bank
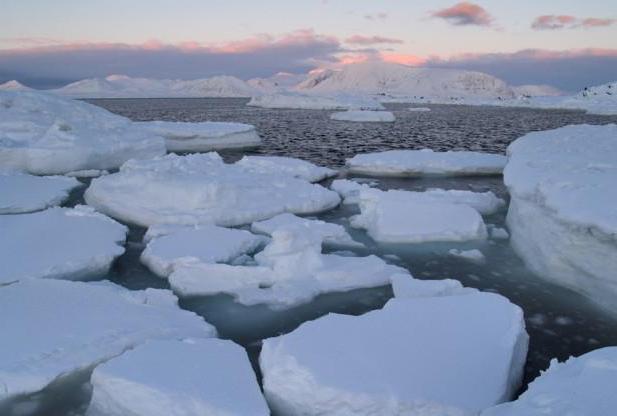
<point>45,134</point>
<point>200,188</point>
<point>414,356</point>
<point>426,162</point>
<point>562,216</point>
<point>580,386</point>
<point>52,328</point>
<point>174,378</point>
<point>204,136</point>
<point>21,193</point>
<point>364,116</point>
<point>289,166</point>
<point>59,243</point>
<point>314,102</point>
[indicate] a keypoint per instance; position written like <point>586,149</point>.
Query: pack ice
<point>201,188</point>
<point>364,116</point>
<point>413,357</point>
<point>583,385</point>
<point>194,377</point>
<point>563,216</point>
<point>20,192</point>
<point>65,327</point>
<point>204,136</point>
<point>426,162</point>
<point>59,243</point>
<point>278,165</point>
<point>315,102</point>
<point>45,134</point>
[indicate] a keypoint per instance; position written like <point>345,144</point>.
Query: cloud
<point>465,14</point>
<point>553,22</point>
<point>376,16</point>
<point>371,40</point>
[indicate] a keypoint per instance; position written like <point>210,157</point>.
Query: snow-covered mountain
<point>537,91</point>
<point>14,86</point>
<point>401,80</point>
<point>279,82</point>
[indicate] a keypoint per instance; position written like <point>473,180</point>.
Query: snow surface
<point>498,233</point>
<point>348,190</point>
<point>14,85</point>
<point>45,134</point>
<point>580,386</point>
<point>203,136</point>
<point>364,116</point>
<point>178,378</point>
<point>20,192</point>
<point>59,243</point>
<point>414,356</point>
<point>288,166</point>
<point>315,102</point>
<point>562,216</point>
<point>426,162</point>
<point>537,91</point>
<point>201,188</point>
<point>473,256</point>
<point>64,327</point>
<point>87,173</point>
<point>405,287</point>
<point>419,109</point>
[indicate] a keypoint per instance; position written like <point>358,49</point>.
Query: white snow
<point>472,256</point>
<point>88,173</point>
<point>364,116</point>
<point>289,166</point>
<point>426,162</point>
<point>52,328</point>
<point>203,136</point>
<point>406,287</point>
<point>348,190</point>
<point>203,243</point>
<point>403,217</point>
<point>562,216</point>
<point>14,85</point>
<point>485,203</point>
<point>419,109</point>
<point>315,102</point>
<point>498,233</point>
<point>583,385</point>
<point>537,91</point>
<point>59,243</point>
<point>201,188</point>
<point>45,134</point>
<point>174,378</point>
<point>447,355</point>
<point>20,192</point>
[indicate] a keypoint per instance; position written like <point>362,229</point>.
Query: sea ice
<point>498,233</point>
<point>364,116</point>
<point>472,256</point>
<point>419,109</point>
<point>288,166</point>
<point>348,190</point>
<point>315,102</point>
<point>20,192</point>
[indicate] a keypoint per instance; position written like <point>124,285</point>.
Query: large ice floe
<point>178,378</point>
<point>580,386</point>
<point>315,102</point>
<point>364,116</point>
<point>46,134</point>
<point>201,188</point>
<point>203,136</point>
<point>426,162</point>
<point>413,357</point>
<point>562,216</point>
<point>280,165</point>
<point>20,192</point>
<point>59,243</point>
<point>53,328</point>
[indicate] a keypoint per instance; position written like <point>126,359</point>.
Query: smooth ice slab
<point>52,328</point>
<point>45,134</point>
<point>288,166</point>
<point>59,243</point>
<point>364,116</point>
<point>403,217</point>
<point>315,102</point>
<point>448,355</point>
<point>419,109</point>
<point>201,188</point>
<point>348,190</point>
<point>426,162</point>
<point>583,385</point>
<point>202,136</point>
<point>472,256</point>
<point>194,377</point>
<point>20,192</point>
<point>199,244</point>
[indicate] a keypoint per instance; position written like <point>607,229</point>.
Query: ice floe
<point>426,162</point>
<point>194,377</point>
<point>59,243</point>
<point>288,166</point>
<point>20,192</point>
<point>348,190</point>
<point>498,233</point>
<point>202,136</point>
<point>414,356</point>
<point>364,116</point>
<point>419,109</point>
<point>87,173</point>
<point>562,217</point>
<point>472,256</point>
<point>315,102</point>
<point>45,134</point>
<point>201,188</point>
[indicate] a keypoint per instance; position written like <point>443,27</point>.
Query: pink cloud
<point>553,22</point>
<point>371,40</point>
<point>465,14</point>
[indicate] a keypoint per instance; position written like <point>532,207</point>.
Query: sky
<point>565,43</point>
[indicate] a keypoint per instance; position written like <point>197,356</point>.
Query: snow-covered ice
<point>315,102</point>
<point>59,243</point>
<point>364,116</point>
<point>562,217</point>
<point>473,256</point>
<point>580,386</point>
<point>202,136</point>
<point>201,188</point>
<point>52,328</point>
<point>87,173</point>
<point>195,377</point>
<point>419,109</point>
<point>498,233</point>
<point>426,162</point>
<point>288,166</point>
<point>348,190</point>
<point>415,356</point>
<point>14,85</point>
<point>45,134</point>
<point>20,192</point>
<point>406,287</point>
